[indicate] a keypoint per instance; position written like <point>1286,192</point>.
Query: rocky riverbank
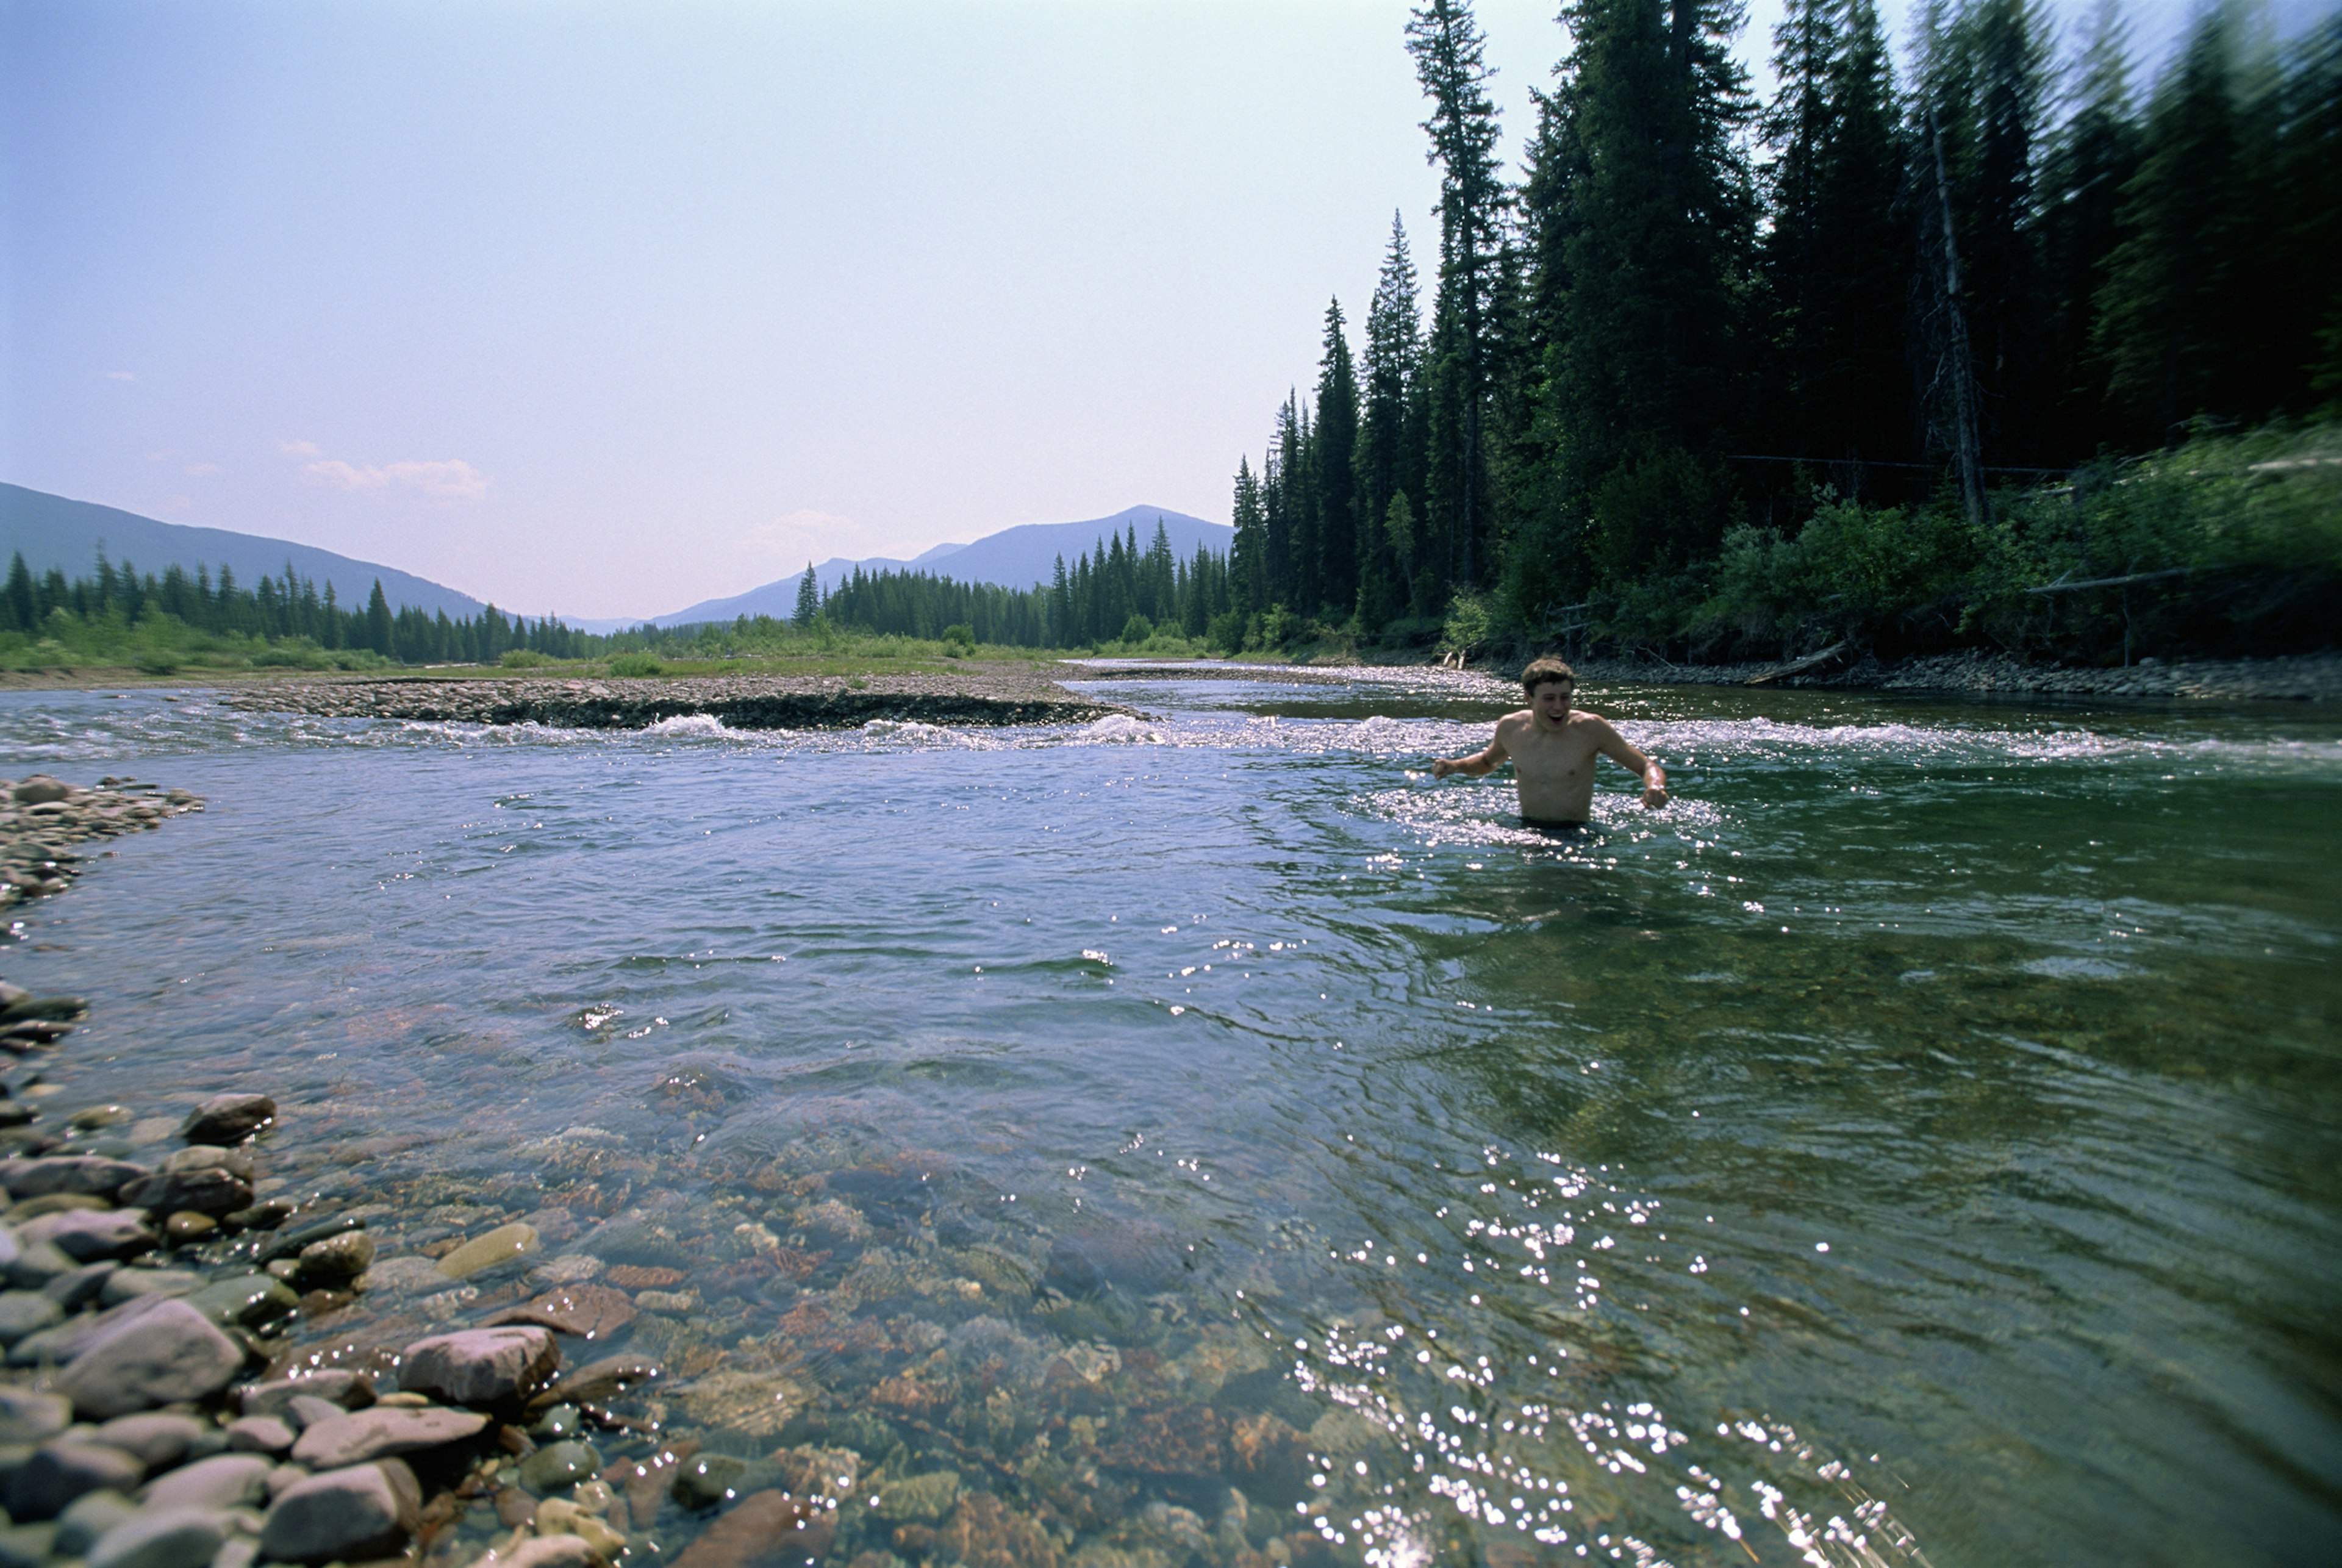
<point>2304,677</point>
<point>739,702</point>
<point>42,820</point>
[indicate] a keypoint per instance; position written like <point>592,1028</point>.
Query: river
<point>1922,1142</point>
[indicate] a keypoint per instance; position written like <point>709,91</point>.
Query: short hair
<point>1544,670</point>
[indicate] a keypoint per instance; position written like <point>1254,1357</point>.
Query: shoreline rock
<point>738,701</point>
<point>40,820</point>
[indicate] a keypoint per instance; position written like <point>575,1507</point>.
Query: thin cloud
<point>200,470</point>
<point>120,376</point>
<point>442,479</point>
<point>794,536</point>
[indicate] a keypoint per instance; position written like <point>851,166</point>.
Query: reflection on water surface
<point>1208,1140</point>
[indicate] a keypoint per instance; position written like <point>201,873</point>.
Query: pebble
<point>87,1518</point>
<point>226,1119</point>
<point>559,1464</point>
<point>222,1480</point>
<point>93,1117</point>
<point>336,1260</point>
<point>204,1189</point>
<point>27,1545</point>
<point>26,1311</point>
<point>127,1284</point>
<point>160,1439</point>
<point>161,1538</point>
<point>168,1352</point>
<point>355,1437</point>
<point>26,1416</point>
<point>363,1512</point>
<point>482,1365</point>
<point>36,1263</point>
<point>83,1234</point>
<point>59,1471</point>
<point>245,1299</point>
<point>559,1516</point>
<point>88,1174</point>
<point>83,1285</point>
<point>259,1435</point>
<point>339,1385</point>
<point>499,1246</point>
<point>187,1227</point>
<point>545,1552</point>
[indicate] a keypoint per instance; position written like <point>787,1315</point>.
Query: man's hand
<point>1441,767</point>
<point>1655,788</point>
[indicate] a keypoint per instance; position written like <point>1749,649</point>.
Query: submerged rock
<point>227,1119</point>
<point>765,1528</point>
<point>481,1367</point>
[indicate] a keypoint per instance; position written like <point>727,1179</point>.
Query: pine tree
<point>1387,448</point>
<point>1333,472</point>
<point>1450,65</point>
<point>1248,551</point>
<point>2166,313</point>
<point>2092,156</point>
<point>377,614</point>
<point>808,598</point>
<point>1642,219</point>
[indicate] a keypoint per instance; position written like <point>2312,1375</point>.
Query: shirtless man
<point>1552,750</point>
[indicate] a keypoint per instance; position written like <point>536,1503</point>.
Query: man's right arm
<point>1478,765</point>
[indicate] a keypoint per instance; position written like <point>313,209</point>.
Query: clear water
<point>1918,1143</point>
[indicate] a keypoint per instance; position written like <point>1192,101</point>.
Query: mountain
<point>52,531</point>
<point>1016,557</point>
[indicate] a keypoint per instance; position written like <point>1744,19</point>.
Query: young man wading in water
<point>1552,750</point>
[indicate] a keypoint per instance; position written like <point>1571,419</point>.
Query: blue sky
<point>603,309</point>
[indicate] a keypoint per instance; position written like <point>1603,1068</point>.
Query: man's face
<point>1550,702</point>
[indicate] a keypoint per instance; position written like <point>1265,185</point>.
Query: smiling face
<point>1550,703</point>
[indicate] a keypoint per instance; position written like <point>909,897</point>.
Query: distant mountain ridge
<point>1016,557</point>
<point>56,530</point>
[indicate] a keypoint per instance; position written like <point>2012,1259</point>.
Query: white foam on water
<point>1119,729</point>
<point>692,724</point>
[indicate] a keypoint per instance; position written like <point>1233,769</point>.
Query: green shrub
<point>1225,633</point>
<point>635,665</point>
<point>1467,627</point>
<point>1136,630</point>
<point>523,659</point>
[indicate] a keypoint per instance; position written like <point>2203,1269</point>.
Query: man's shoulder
<point>1515,719</point>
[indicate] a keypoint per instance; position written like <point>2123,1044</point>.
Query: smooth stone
<point>93,1117</point>
<point>35,1265</point>
<point>284,1478</point>
<point>161,1538</point>
<point>285,1243</point>
<point>26,1416</point>
<point>355,1438</point>
<point>236,1552</point>
<point>88,1517</point>
<point>559,1464</point>
<point>222,1480</point>
<point>336,1260</point>
<point>259,1435</point>
<point>86,1234</point>
<point>598,1380</point>
<point>206,1189</point>
<point>26,1311</point>
<point>346,1389</point>
<point>560,1516</point>
<point>363,1512</point>
<point>160,1439</point>
<point>168,1352</point>
<point>545,1552</point>
<point>53,1203</point>
<point>91,1173</point>
<point>307,1410</point>
<point>406,1274</point>
<point>40,789</point>
<point>62,1471</point>
<point>129,1284</point>
<point>27,1545</point>
<point>561,1421</point>
<point>228,1118</point>
<point>203,1157</point>
<point>481,1365</point>
<point>707,1480</point>
<point>187,1227</point>
<point>247,1299</point>
<point>499,1246</point>
<point>84,1286</point>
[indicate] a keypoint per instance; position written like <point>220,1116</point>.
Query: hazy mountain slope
<point>53,531</point>
<point>1014,557</point>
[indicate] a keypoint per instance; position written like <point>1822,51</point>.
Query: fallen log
<point>1798,667</point>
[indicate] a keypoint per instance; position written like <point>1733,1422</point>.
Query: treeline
<point>1695,315</point>
<point>272,610</point>
<point>1117,592</point>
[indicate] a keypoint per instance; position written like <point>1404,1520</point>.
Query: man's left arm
<point>1615,746</point>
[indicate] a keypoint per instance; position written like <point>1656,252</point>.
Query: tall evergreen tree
<point>808,598</point>
<point>1386,455</point>
<point>1450,63</point>
<point>1645,213</point>
<point>1333,472</point>
<point>2090,159</point>
<point>2168,312</point>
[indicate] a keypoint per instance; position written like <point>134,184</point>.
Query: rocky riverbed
<point>44,821</point>
<point>258,1329</point>
<point>739,702</point>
